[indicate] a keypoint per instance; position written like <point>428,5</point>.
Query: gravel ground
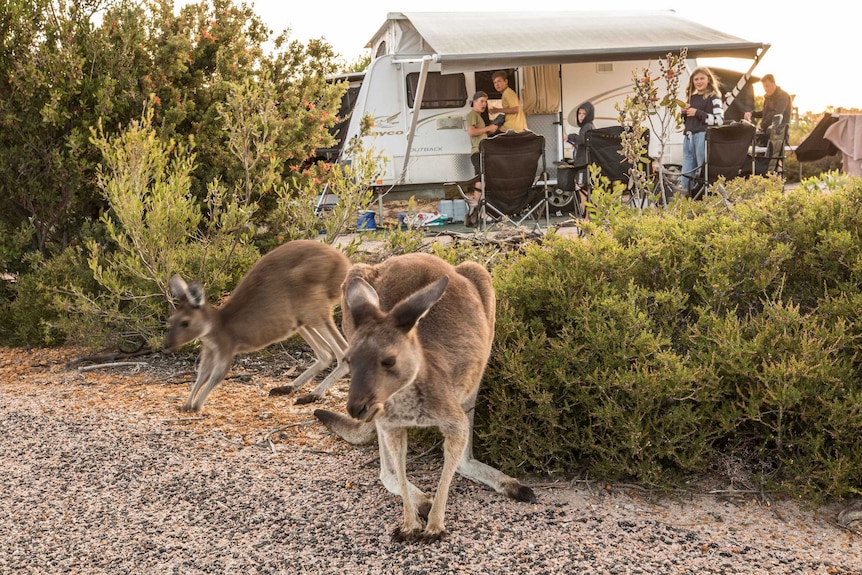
<point>101,473</point>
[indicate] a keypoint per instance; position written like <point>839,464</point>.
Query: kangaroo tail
<point>348,429</point>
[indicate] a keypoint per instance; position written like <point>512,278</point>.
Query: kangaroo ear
<point>179,287</point>
<point>361,300</point>
<point>410,310</point>
<point>193,292</point>
<point>196,295</point>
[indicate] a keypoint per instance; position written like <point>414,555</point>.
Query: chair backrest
<point>509,162</point>
<point>815,146</point>
<point>604,148</point>
<point>775,148</point>
<point>727,150</point>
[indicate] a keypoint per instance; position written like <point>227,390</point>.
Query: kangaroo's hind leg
<point>336,342</point>
<point>324,357</point>
<point>475,470</point>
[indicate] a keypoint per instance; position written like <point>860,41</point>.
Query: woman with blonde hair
<point>704,109</point>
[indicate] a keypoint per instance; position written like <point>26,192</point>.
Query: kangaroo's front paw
<point>283,390</point>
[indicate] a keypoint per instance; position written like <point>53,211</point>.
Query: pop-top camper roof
<point>463,41</point>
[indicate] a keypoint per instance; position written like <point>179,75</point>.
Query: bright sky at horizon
<point>810,51</point>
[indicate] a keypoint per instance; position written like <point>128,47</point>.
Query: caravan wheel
<point>562,202</point>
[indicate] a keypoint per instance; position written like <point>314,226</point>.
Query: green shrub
<point>663,342</point>
<point>39,316</point>
<point>604,386</point>
<point>783,382</point>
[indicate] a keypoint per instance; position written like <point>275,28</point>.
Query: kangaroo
<point>291,289</point>
<point>420,333</point>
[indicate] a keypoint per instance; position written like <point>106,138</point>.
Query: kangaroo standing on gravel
<point>291,289</point>
<point>420,333</point>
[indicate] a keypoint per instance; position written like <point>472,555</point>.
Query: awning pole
<point>743,80</point>
<point>417,106</point>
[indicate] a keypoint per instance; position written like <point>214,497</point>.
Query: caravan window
<point>441,90</point>
<point>486,84</point>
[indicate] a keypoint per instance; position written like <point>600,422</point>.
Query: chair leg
<point>472,218</point>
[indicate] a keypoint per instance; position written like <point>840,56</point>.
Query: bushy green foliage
<point>155,228</point>
<point>783,385</point>
<point>67,65</point>
<point>604,385</point>
<point>252,119</point>
<point>38,314</point>
<point>649,348</point>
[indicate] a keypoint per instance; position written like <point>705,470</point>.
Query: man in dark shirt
<point>776,101</point>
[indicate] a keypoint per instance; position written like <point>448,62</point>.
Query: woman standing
<point>704,109</point>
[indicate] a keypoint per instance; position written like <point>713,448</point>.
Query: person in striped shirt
<point>704,109</point>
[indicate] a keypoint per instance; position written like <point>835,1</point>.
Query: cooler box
<point>455,209</point>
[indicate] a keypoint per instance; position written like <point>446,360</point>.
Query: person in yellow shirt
<point>511,105</point>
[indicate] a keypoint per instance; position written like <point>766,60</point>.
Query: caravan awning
<point>463,41</point>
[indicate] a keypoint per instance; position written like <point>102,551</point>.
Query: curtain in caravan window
<point>441,90</point>
<point>541,90</point>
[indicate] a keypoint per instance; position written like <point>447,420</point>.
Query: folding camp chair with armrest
<point>509,166</point>
<point>604,148</point>
<point>727,155</point>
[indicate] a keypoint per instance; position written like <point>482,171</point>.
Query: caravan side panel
<point>440,150</point>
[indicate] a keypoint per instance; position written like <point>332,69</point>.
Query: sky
<point>811,53</point>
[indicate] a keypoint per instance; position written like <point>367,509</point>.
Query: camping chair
<point>508,173</point>
<point>770,160</point>
<point>728,150</point>
<point>604,149</point>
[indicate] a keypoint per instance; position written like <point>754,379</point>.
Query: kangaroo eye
<point>388,362</point>
<point>184,324</point>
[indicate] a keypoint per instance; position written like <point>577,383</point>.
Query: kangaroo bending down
<point>291,289</point>
<point>420,333</point>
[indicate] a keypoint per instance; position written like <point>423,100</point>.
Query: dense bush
<point>673,338</point>
<point>252,118</point>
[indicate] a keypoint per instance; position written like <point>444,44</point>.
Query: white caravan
<point>434,62</point>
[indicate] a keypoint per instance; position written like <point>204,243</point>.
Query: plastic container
<point>444,207</point>
<point>460,211</point>
<point>455,209</point>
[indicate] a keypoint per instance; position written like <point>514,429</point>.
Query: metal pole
<point>417,106</point>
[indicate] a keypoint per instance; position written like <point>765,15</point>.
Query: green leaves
<point>654,348</point>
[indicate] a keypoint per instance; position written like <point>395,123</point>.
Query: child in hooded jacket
<point>585,119</point>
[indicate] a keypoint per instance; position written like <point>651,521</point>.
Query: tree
<point>66,65</point>
<point>253,120</point>
<point>654,104</point>
<point>58,75</point>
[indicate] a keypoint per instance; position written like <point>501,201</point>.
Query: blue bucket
<point>367,221</point>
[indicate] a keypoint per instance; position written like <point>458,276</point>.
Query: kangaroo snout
<point>364,410</point>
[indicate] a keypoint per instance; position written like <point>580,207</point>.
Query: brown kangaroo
<point>291,289</point>
<point>420,333</point>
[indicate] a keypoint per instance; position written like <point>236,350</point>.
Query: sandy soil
<point>101,473</point>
